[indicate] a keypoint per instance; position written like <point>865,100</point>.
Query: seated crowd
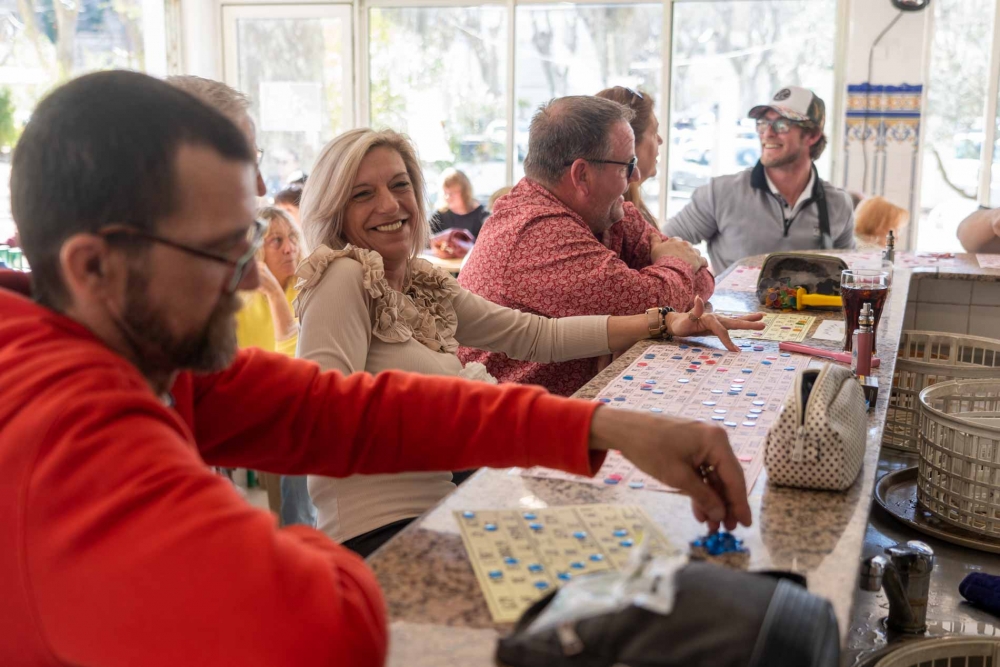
<point>124,384</point>
<point>174,326</point>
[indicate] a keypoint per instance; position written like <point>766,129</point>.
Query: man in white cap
<point>779,204</point>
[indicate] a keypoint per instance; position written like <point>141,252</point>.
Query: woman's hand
<point>696,322</point>
<point>269,285</point>
<point>691,456</point>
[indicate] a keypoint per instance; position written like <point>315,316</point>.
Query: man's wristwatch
<point>656,320</point>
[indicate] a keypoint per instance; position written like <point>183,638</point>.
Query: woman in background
<point>266,321</point>
<point>460,209</point>
<point>646,128</point>
<point>874,218</point>
<point>289,199</point>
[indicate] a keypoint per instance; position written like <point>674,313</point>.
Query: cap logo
<point>782,95</point>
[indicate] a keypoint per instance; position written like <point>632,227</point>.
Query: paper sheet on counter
<point>830,330</point>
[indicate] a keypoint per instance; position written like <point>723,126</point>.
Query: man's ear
<point>88,268</point>
<point>812,137</point>
<point>581,176</point>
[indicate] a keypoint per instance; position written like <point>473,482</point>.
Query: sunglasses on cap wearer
<point>779,125</point>
<point>255,237</point>
<point>629,166</point>
<point>632,92</point>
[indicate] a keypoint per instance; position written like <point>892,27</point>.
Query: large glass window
<point>729,56</point>
<point>439,74</point>
<point>956,103</point>
<point>568,49</point>
<point>43,44</point>
<point>295,64</point>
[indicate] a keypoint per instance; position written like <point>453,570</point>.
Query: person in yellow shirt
<point>266,321</point>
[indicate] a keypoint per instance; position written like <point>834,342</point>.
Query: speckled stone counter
<point>438,615</point>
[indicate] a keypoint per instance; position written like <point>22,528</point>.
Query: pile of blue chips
<point>720,543</point>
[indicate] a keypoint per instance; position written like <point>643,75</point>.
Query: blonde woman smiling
<point>368,303</point>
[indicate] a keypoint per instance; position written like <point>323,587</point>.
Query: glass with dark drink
<point>858,286</point>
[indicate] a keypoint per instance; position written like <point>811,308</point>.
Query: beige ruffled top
<point>423,311</point>
<point>352,321</point>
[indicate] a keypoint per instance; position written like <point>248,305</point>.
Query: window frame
<point>361,65</point>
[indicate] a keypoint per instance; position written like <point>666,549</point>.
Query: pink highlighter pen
<point>861,360</point>
<point>843,357</point>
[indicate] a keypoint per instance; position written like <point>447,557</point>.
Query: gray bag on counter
<point>699,615</point>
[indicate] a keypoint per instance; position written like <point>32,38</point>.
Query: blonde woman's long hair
<point>452,177</point>
<point>328,191</point>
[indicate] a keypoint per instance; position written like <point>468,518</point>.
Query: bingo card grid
<point>519,556</point>
<point>741,391</point>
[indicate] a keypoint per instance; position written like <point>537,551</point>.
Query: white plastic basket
<point>946,652</point>
<point>958,476</point>
<point>926,358</point>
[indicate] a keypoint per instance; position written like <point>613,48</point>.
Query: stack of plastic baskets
<point>945,652</point>
<point>926,358</point>
<point>958,478</point>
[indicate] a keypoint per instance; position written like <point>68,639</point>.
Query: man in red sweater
<point>122,381</point>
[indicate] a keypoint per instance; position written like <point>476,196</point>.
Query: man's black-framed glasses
<point>630,165</point>
<point>255,237</point>
<point>779,125</point>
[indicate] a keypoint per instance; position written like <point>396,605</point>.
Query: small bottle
<point>889,255</point>
<point>861,354</point>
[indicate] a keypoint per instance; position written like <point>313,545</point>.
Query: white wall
<point>954,306</point>
<point>898,60</point>
<point>202,38</point>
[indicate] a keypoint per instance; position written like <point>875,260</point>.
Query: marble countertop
<point>439,616</point>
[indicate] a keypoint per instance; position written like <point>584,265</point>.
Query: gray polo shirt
<point>740,216</point>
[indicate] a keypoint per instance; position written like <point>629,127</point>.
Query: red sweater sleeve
<point>328,424</point>
<point>136,554</point>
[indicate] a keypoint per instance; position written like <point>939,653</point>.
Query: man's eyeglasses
<point>255,237</point>
<point>260,156</point>
<point>630,165</point>
<point>779,125</point>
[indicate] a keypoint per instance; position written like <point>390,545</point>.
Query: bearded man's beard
<point>211,349</point>
<point>781,161</point>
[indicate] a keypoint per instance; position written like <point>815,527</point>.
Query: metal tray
<point>896,492</point>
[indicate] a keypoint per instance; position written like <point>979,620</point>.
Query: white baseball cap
<point>794,103</point>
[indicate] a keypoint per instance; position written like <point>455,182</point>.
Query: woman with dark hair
<point>289,199</point>
<point>646,128</point>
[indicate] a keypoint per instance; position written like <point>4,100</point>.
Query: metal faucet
<point>906,576</point>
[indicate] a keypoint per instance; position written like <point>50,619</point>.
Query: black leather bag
<point>720,618</point>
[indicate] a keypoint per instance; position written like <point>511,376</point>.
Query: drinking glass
<point>858,286</point>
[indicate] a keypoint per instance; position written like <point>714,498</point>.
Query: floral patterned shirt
<point>537,255</point>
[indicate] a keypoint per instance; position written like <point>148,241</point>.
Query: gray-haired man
<point>781,203</point>
<point>564,241</point>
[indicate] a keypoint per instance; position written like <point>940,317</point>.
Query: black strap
<point>819,198</point>
<point>819,194</point>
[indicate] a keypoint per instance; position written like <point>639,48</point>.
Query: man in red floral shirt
<point>564,241</point>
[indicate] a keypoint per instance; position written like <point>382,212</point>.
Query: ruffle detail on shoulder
<point>425,313</point>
